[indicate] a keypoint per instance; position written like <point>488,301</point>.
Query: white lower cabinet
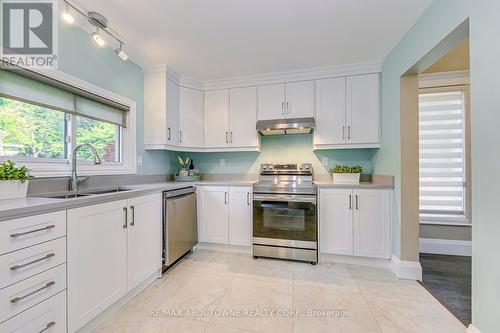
<point>112,247</point>
<point>355,222</point>
<point>225,214</point>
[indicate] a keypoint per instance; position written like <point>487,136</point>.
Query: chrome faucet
<point>75,181</point>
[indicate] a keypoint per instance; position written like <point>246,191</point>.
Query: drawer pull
<point>32,231</point>
<point>49,325</point>
<point>17,299</point>
<point>15,268</point>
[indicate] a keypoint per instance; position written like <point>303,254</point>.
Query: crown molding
<point>268,78</point>
<point>454,78</point>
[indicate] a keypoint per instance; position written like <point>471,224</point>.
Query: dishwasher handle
<point>179,192</point>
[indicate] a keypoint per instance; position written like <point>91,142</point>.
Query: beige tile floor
<point>205,291</point>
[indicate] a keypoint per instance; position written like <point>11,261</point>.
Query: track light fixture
<point>99,21</point>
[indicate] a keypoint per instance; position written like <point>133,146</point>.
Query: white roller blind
<point>442,154</point>
<point>57,97</point>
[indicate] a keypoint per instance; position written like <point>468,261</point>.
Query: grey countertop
<point>15,208</point>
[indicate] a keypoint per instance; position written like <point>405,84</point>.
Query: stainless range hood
<point>286,126</point>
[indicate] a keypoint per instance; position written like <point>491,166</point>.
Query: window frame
<point>449,86</point>
<point>46,167</point>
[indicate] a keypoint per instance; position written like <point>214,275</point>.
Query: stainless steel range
<point>284,213</point>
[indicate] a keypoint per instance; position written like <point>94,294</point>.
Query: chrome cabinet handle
<point>287,108</point>
<point>132,209</point>
<point>49,325</point>
<point>350,201</point>
<point>16,267</point>
<point>226,137</point>
<point>20,298</point>
<point>349,132</point>
<point>125,210</point>
<point>180,136</point>
<point>32,231</point>
<point>225,198</point>
<point>231,137</point>
<point>357,207</point>
<point>343,132</point>
<point>282,107</point>
<point>169,132</point>
<point>248,198</point>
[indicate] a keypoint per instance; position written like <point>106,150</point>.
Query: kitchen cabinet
<point>191,118</point>
<point>243,118</point>
<point>112,247</point>
<point>161,110</point>
<point>225,214</point>
<point>289,100</point>
<point>144,238</point>
<point>217,118</point>
<point>355,222</point>
<point>347,112</point>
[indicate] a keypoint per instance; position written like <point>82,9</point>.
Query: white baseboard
<point>404,269</point>
<point>472,329</point>
<point>446,246</point>
<point>351,260</point>
<point>224,248</point>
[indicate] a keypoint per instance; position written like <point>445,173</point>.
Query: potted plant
<point>13,181</point>
<point>184,164</point>
<point>345,174</point>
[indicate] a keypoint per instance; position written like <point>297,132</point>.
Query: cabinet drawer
<point>48,316</point>
<point>24,294</point>
<point>23,232</point>
<point>19,265</point>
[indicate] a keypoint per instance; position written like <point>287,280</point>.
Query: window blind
<point>35,89</point>
<point>442,154</point>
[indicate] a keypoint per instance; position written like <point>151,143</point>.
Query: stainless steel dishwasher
<point>180,227</point>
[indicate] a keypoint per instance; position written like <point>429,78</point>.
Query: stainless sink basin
<point>84,193</point>
<point>67,196</point>
<point>104,191</point>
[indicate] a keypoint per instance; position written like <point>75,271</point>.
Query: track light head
<point>97,38</point>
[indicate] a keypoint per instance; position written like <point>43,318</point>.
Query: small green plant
<point>182,163</point>
<point>346,169</point>
<point>8,171</point>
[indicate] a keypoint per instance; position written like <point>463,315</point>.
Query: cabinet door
<point>97,260</point>
<point>144,243</point>
<point>243,117</point>
<point>214,207</point>
<point>217,118</point>
<point>271,101</point>
<point>330,112</point>
<point>363,109</point>
<point>240,215</point>
<point>172,113</point>
<point>299,99</point>
<point>372,223</point>
<point>155,109</point>
<point>191,122</point>
<point>335,221</point>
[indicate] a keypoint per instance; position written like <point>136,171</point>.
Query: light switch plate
<point>222,163</point>
<point>139,160</point>
<point>324,161</point>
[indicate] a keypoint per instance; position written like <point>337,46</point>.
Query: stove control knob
<point>301,167</point>
<point>264,167</point>
<point>307,167</point>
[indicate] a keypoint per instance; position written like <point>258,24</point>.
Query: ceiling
<point>211,39</point>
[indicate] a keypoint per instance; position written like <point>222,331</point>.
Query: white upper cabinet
<point>161,110</point>
<point>347,112</point>
<point>217,118</point>
<point>272,101</point>
<point>243,117</point>
<point>290,100</point>
<point>362,106</point>
<point>330,112</point>
<point>299,99</point>
<point>191,119</point>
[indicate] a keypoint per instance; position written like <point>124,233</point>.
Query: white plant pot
<point>345,178</point>
<point>11,189</point>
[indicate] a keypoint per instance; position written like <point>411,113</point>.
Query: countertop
<point>15,208</point>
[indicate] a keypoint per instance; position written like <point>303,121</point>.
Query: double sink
<point>83,193</point>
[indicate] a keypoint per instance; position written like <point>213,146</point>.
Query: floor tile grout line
<point>368,306</point>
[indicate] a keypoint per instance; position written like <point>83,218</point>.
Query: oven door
<point>285,220</point>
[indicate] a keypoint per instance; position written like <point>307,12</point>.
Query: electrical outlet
<point>222,163</point>
<point>139,160</point>
<point>324,161</point>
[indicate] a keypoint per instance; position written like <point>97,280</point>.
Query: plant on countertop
<point>183,164</point>
<point>346,169</point>
<point>8,171</point>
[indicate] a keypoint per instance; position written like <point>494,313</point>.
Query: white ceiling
<point>210,39</point>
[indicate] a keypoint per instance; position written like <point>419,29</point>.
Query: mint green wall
<point>101,66</point>
<point>438,20</point>
<point>280,149</point>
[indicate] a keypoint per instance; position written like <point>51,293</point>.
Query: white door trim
<point>446,246</point>
<point>404,269</point>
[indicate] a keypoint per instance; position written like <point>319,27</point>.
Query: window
<point>41,123</point>
<point>442,154</point>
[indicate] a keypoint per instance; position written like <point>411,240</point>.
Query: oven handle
<point>285,198</point>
